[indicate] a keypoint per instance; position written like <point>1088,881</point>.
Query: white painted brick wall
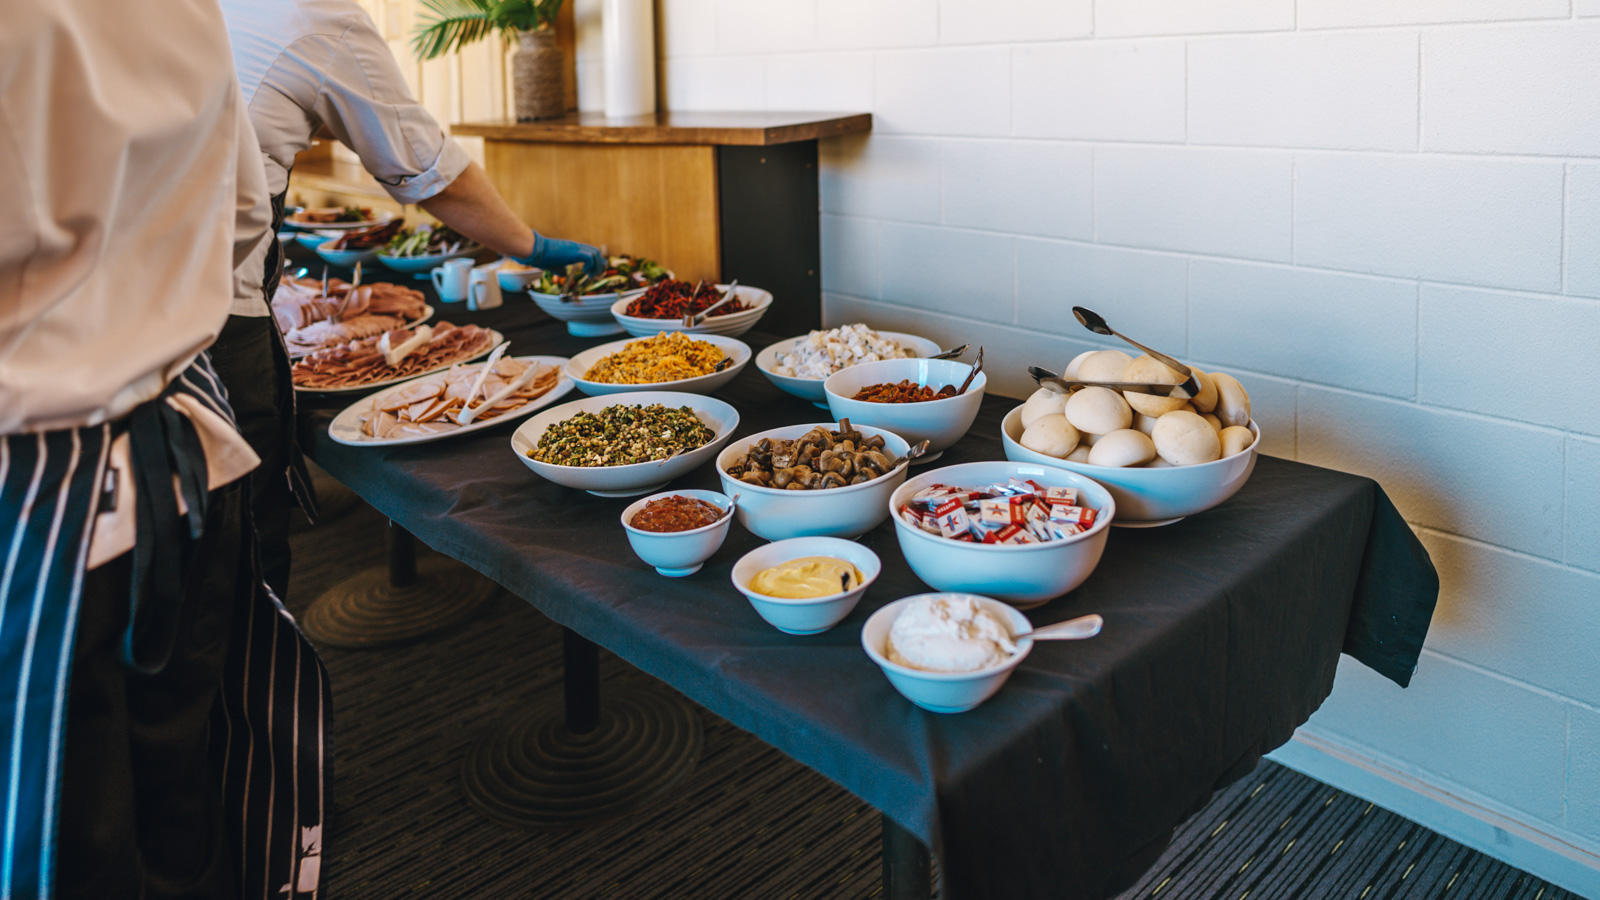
<point>1122,91</point>
<point>1352,91</point>
<point>1383,215</point>
<point>1528,89</point>
<point>1223,202</point>
<point>1478,221</point>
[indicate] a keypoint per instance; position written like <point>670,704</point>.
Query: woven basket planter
<point>536,71</point>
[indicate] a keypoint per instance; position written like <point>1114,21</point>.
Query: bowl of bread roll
<point>1162,458</point>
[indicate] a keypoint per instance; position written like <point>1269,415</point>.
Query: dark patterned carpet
<point>749,822</point>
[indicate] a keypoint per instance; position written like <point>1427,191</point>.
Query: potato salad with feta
<point>823,353</point>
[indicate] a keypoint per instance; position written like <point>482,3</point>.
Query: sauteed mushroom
<point>817,460</point>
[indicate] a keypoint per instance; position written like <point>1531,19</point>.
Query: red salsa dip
<point>675,513</point>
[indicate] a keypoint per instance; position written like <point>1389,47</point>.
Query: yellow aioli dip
<point>806,577</point>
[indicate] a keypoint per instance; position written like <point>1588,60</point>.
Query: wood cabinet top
<point>721,128</point>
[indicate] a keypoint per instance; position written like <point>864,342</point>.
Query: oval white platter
<point>427,313</point>
<point>496,336</point>
<point>380,218</point>
<point>346,426</point>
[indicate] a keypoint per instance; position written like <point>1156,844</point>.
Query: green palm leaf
<point>449,25</point>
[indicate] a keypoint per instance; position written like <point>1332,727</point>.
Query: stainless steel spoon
<point>1051,381</point>
<point>1071,630</point>
<point>1096,323</point>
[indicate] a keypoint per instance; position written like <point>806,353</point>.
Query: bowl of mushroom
<point>816,479</point>
<point>1162,458</point>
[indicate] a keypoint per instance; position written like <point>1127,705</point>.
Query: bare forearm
<point>473,207</point>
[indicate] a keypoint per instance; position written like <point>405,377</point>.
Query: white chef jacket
<point>132,190</point>
<point>305,64</point>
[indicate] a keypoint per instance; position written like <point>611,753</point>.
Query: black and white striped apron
<point>274,704</point>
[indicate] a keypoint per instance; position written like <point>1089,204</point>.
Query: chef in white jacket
<point>320,67</point>
<point>133,189</point>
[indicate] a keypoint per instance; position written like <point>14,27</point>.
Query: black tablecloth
<point>1222,634</point>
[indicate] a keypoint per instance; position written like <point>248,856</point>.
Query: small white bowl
<point>944,692</point>
<point>849,511</point>
<point>346,258</point>
<point>585,316</point>
<point>1147,498</point>
<point>413,265</point>
<point>515,280</point>
<point>678,553</point>
<point>732,324</point>
<point>811,388</point>
<point>1024,575</point>
<point>732,348</point>
<point>639,478</point>
<point>812,615</point>
<point>940,422</point>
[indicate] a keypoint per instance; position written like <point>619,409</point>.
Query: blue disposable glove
<point>556,254</point>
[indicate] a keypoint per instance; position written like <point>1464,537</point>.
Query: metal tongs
<point>1189,389</point>
<point>692,319</point>
<point>954,353</point>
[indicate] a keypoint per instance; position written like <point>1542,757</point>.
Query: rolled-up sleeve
<point>364,101</point>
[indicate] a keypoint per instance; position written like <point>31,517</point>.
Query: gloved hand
<point>556,254</point>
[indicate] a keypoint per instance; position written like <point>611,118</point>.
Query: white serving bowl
<point>1150,497</point>
<point>515,280</point>
<point>639,478</point>
<point>311,240</point>
<point>678,553</point>
<point>811,388</point>
<point>812,615</point>
<point>1023,575</point>
<point>414,265</point>
<point>940,422</point>
<point>585,316</point>
<point>944,692</point>
<point>731,348</point>
<point>346,258</point>
<point>849,511</point>
<point>732,324</point>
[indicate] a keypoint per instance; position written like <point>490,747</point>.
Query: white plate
<point>811,388</point>
<point>377,219</point>
<point>732,324</point>
<point>639,478</point>
<point>733,348</point>
<point>420,265</point>
<point>427,313</point>
<point>495,336</point>
<point>346,426</point>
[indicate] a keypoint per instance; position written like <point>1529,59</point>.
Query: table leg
<point>396,603</point>
<point>907,873</point>
<point>579,764</point>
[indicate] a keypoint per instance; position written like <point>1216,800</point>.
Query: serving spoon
<point>1096,323</point>
<point>1053,382</point>
<point>1071,630</point>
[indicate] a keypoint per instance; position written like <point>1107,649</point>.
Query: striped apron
<point>273,706</point>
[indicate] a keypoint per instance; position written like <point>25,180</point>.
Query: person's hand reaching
<point>556,254</point>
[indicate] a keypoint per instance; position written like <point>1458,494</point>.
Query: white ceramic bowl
<point>943,692</point>
<point>585,316</point>
<point>1150,497</point>
<point>413,265</point>
<point>811,388</point>
<point>1023,575</point>
<point>516,280</point>
<point>848,511</point>
<point>732,324</point>
<point>732,348</point>
<point>639,478</point>
<point>346,258</point>
<point>940,422</point>
<point>311,240</point>
<point>812,615</point>
<point>678,553</point>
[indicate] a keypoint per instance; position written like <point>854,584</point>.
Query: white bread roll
<point>1098,410</point>
<point>1043,402</point>
<point>1051,435</point>
<point>1122,448</point>
<point>1184,439</point>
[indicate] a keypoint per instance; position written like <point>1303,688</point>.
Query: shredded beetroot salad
<point>673,300</point>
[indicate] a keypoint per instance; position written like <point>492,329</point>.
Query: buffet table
<point>1222,633</point>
